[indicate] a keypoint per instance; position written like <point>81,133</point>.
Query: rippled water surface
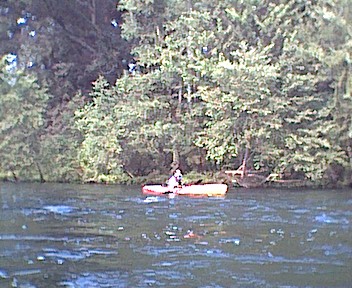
<point>113,236</point>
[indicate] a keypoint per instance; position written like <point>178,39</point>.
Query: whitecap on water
<point>323,218</point>
<point>92,279</point>
<point>152,199</point>
<point>59,209</point>
<point>235,241</point>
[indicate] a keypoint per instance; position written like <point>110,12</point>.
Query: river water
<point>56,235</point>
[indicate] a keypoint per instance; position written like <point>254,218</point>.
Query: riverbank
<point>196,177</point>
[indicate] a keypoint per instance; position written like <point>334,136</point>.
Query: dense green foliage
<point>215,84</point>
<point>22,105</point>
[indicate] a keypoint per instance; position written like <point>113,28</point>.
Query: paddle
<point>194,183</point>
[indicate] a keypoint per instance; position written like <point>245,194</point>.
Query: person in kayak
<point>175,180</point>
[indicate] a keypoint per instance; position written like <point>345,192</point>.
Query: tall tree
<point>22,106</point>
<point>166,82</point>
<point>322,142</point>
<point>101,147</point>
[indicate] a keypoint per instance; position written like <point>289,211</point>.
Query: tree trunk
<point>42,180</point>
<point>175,158</point>
<point>14,175</point>
<point>244,162</point>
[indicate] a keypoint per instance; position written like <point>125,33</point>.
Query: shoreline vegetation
<point>249,181</point>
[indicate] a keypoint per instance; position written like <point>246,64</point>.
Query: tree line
<point>109,91</point>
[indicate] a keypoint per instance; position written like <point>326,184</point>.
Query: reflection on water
<point>113,236</point>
